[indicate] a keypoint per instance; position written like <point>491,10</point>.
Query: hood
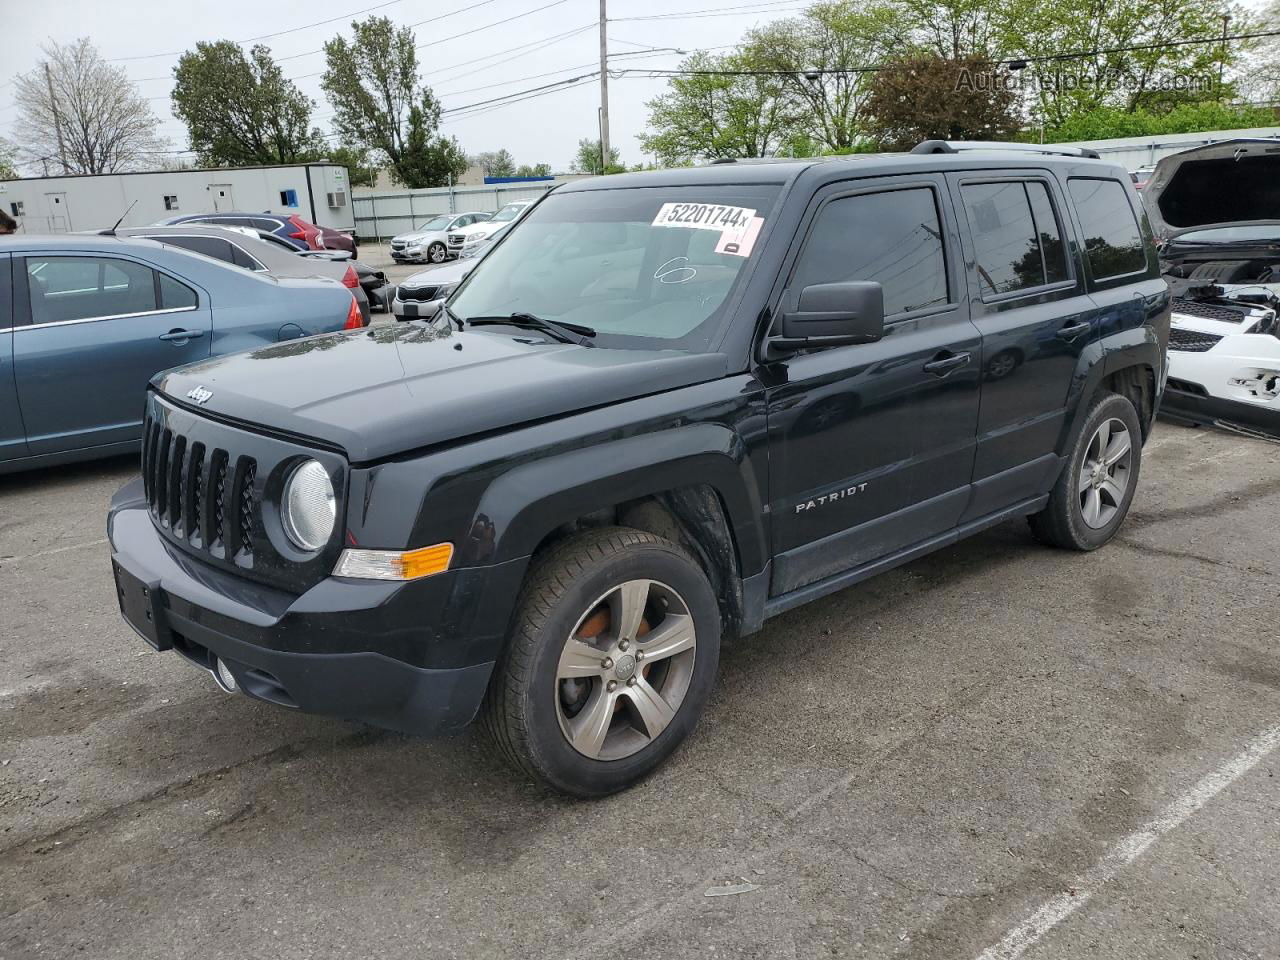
<point>1228,184</point>
<point>416,235</point>
<point>382,391</point>
<point>452,272</point>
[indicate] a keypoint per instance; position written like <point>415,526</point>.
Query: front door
<point>223,201</point>
<point>871,446</point>
<point>95,330</point>
<point>13,437</point>
<point>1028,299</point>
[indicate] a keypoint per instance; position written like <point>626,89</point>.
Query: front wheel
<point>437,253</point>
<point>1092,496</point>
<point>610,663</point>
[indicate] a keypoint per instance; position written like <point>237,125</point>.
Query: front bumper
<point>413,656</point>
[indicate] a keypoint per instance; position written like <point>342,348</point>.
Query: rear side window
<point>894,238</point>
<point>1112,238</point>
<point>6,295</point>
<point>174,294</point>
<point>214,247</point>
<point>1016,241</point>
<point>81,288</point>
<point>242,259</point>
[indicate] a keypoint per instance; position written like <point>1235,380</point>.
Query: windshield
<point>436,223</point>
<point>1258,234</point>
<point>509,212</point>
<point>648,267</point>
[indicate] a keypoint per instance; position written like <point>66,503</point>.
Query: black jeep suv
<point>666,407</point>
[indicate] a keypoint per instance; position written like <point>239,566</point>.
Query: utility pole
<point>604,91</point>
<point>1222,55</point>
<point>57,121</point>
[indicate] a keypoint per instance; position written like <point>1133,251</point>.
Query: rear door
<point>13,439</point>
<point>1029,301</point>
<point>96,329</point>
<point>871,446</point>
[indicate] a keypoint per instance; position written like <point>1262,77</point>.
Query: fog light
<point>222,674</point>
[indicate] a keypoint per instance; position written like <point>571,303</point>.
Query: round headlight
<point>309,509</point>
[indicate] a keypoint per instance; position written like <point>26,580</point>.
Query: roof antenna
<point>112,231</point>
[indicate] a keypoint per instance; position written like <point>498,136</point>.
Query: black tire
<point>437,252</point>
<point>1062,522</point>
<point>522,713</point>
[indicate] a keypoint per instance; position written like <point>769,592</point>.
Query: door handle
<point>944,365</point>
<point>182,335</point>
<point>1073,331</point>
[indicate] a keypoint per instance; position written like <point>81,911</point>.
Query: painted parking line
<point>49,553</point>
<point>1128,849</point>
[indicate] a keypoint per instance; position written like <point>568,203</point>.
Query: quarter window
<point>79,288</point>
<point>1016,241</point>
<point>174,294</point>
<point>1112,238</point>
<point>894,238</point>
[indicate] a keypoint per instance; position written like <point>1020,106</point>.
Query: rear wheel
<point>610,663</point>
<point>1092,496</point>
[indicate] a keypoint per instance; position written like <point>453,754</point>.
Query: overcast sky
<point>545,129</point>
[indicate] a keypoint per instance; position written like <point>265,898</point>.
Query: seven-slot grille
<point>203,496</point>
<point>1195,308</point>
<point>1192,341</point>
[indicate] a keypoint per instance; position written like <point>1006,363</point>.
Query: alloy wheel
<point>625,669</point>
<point>1105,473</point>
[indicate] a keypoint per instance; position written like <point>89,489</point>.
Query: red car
<point>289,227</point>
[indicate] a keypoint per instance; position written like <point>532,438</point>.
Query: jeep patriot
<point>666,407</point>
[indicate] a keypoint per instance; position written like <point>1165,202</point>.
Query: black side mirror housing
<point>833,314</point>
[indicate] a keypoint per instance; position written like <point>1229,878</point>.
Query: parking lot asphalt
<point>1000,750</point>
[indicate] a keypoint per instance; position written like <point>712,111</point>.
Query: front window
<point>644,267</point>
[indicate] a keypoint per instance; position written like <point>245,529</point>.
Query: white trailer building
<point>318,192</point>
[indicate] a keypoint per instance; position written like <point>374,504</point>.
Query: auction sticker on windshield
<point>737,226</point>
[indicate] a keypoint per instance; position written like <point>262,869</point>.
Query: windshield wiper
<point>564,332</point>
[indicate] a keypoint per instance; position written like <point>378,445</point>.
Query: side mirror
<point>834,314</point>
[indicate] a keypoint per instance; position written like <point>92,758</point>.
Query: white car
<point>429,240</point>
<point>1215,210</point>
<point>468,237</point>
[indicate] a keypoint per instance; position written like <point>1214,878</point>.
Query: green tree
<point>533,170</point>
<point>496,163</point>
<point>927,97</point>
<point>8,170</point>
<point>360,172</point>
<point>1156,77</point>
<point>242,109</point>
<point>704,115</point>
<point>380,104</point>
<point>588,159</point>
<point>1103,123</point>
<point>816,51</point>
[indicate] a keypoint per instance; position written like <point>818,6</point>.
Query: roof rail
<point>958,146</point>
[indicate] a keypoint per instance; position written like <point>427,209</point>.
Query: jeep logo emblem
<point>199,395</point>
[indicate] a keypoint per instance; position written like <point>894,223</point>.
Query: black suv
<point>664,408</point>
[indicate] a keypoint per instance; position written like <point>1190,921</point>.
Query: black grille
<point>1186,386</point>
<point>1192,341</point>
<point>417,294</point>
<point>1210,311</point>
<point>245,515</point>
<point>192,490</point>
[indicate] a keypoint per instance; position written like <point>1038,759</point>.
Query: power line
<point>410,26</point>
<point>767,6</point>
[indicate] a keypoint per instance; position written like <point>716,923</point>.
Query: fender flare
<point>527,503</point>
<point>1139,347</point>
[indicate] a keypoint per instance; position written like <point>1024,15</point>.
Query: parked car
<point>416,291</point>
<point>85,321</point>
<point>373,282</point>
<point>300,233</point>
<point>429,240</point>
<point>1141,176</point>
<point>547,505</point>
<point>466,242</point>
<point>240,246</point>
<point>1218,212</point>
